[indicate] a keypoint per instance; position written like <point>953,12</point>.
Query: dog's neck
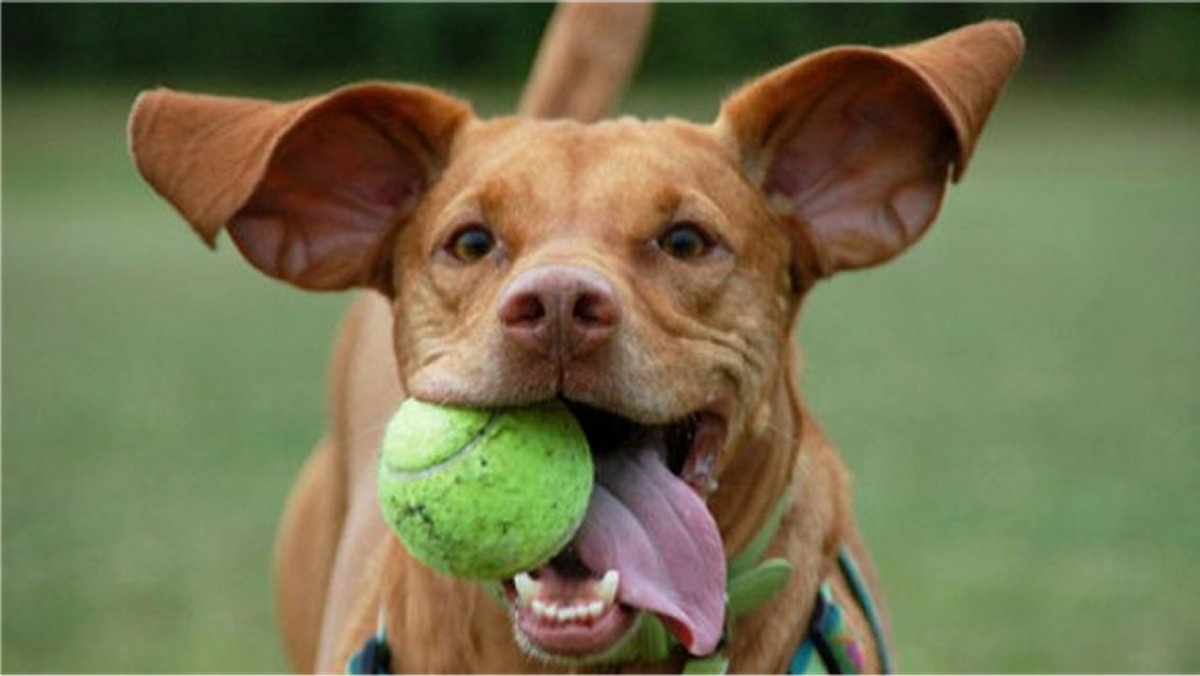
<point>767,459</point>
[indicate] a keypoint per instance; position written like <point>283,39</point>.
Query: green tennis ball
<point>484,494</point>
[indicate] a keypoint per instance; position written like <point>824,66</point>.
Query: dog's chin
<point>602,641</point>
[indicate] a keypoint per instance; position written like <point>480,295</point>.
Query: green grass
<point>1017,399</point>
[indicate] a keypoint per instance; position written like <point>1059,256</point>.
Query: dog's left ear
<point>853,146</point>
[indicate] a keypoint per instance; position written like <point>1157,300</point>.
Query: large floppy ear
<point>853,146</point>
<point>311,191</point>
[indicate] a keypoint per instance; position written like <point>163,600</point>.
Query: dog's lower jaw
<point>616,653</point>
<point>637,651</point>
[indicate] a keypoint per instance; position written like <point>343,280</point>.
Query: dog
<point>648,273</point>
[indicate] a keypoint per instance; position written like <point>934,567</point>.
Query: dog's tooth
<point>527,588</point>
<point>566,614</point>
<point>606,588</point>
<point>539,607</point>
<point>550,611</point>
<point>595,608</point>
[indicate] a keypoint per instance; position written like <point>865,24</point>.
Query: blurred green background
<point>1018,397</point>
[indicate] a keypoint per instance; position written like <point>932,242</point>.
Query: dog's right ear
<point>311,191</point>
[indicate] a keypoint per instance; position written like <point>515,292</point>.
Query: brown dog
<point>647,272</point>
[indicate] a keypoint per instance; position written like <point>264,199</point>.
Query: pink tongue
<point>654,529</point>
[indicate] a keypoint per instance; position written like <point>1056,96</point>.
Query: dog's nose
<point>559,311</point>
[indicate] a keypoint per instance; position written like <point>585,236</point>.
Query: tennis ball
<point>484,494</point>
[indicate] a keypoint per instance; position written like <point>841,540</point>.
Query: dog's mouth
<point>647,544</point>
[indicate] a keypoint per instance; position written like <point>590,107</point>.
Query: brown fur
<point>836,161</point>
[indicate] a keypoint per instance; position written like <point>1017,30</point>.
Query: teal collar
<point>829,647</point>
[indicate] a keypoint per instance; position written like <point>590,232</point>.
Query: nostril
<point>596,310</point>
<point>523,310</point>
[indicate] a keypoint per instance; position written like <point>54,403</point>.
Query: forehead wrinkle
<point>576,163</point>
<point>554,168</point>
<point>627,184</point>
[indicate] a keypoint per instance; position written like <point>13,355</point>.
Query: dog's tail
<point>586,57</point>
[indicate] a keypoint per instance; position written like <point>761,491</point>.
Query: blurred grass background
<point>1017,397</point>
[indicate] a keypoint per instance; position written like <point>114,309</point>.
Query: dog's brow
<point>667,199</point>
<point>493,192</point>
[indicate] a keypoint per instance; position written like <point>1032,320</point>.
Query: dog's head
<point>648,273</point>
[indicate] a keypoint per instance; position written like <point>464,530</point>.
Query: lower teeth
<point>602,594</point>
<point>573,613</point>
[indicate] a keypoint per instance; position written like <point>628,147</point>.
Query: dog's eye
<point>685,241</point>
<point>471,243</point>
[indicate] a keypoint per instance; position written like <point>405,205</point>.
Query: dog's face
<point>625,266</point>
<point>648,273</point>
<point>630,269</point>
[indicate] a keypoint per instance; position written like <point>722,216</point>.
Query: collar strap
<point>831,646</point>
<point>374,657</point>
<point>862,596</point>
